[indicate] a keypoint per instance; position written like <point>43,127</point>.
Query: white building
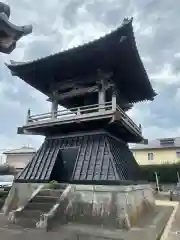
<point>19,158</point>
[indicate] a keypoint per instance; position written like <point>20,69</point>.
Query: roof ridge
<point>19,149</point>
<point>126,21</point>
<point>75,64</point>
<point>166,138</point>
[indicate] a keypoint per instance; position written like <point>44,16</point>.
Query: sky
<point>59,25</point>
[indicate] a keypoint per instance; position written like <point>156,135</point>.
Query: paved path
<point>174,233</point>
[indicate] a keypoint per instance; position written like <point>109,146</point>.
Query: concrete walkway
<point>174,231</point>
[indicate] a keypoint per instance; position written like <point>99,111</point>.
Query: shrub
<point>167,173</point>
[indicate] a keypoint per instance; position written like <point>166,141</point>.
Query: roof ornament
<point>127,20</point>
<point>10,33</point>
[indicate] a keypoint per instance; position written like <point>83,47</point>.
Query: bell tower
<point>89,137</point>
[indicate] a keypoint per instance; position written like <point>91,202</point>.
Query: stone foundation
<point>109,206</point>
<point>19,195</point>
<point>105,206</point>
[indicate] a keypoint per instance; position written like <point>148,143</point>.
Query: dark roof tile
<point>107,53</point>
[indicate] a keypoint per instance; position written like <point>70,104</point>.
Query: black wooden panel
<point>118,157</point>
<point>50,161</point>
<point>94,161</point>
<point>126,164</point>
<point>98,157</point>
<point>38,168</point>
<point>37,161</point>
<point>96,165</point>
<point>25,174</point>
<point>68,157</point>
<point>81,157</point>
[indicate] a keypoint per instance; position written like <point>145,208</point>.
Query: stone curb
<point>171,219</point>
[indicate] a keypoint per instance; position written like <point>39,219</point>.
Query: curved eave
<point>19,66</point>
<point>86,58</point>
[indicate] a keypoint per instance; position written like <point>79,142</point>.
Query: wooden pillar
<point>157,182</point>
<point>102,96</point>
<point>140,128</point>
<point>54,108</point>
<point>178,178</point>
<point>114,101</point>
<point>28,116</point>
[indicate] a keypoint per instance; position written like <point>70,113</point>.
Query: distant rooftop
<point>22,150</point>
<point>159,144</point>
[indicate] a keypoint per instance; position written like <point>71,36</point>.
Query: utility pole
<point>178,178</point>
<point>157,181</point>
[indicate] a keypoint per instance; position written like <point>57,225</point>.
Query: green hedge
<point>167,173</point>
<point>3,194</point>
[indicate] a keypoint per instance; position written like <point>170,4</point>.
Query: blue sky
<point>58,25</point>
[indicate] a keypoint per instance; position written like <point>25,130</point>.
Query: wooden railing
<point>83,111</point>
<point>66,113</point>
<point>128,120</point>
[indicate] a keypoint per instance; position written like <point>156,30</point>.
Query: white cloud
<point>166,76</point>
<point>146,59</point>
<point>155,132</point>
<point>19,141</point>
<point>148,31</point>
<point>59,25</point>
<point>177,55</point>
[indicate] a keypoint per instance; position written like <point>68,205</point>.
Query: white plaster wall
<point>19,160</point>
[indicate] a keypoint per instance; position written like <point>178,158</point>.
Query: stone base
<point>115,207</point>
<point>19,195</point>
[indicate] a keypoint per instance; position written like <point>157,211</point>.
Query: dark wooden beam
<point>77,82</point>
<point>71,84</point>
<point>77,92</point>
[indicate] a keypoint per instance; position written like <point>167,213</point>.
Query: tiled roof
<point>116,53</point>
<point>155,144</point>
<point>21,150</point>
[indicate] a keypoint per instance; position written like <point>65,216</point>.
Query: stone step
<point>56,187</point>
<point>26,222</point>
<point>41,206</point>
<point>44,199</point>
<point>28,213</point>
<point>51,192</point>
<point>61,186</point>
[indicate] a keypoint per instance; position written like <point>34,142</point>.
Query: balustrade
<point>83,111</point>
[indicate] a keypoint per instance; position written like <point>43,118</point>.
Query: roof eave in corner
<point>15,64</point>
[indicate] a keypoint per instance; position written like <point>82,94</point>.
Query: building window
<point>178,154</point>
<point>150,156</point>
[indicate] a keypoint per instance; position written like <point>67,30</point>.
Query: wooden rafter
<point>78,92</point>
<point>81,82</point>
